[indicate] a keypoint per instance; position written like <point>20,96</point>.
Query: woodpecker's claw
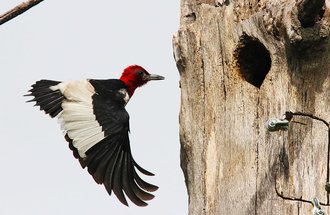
<point>152,77</point>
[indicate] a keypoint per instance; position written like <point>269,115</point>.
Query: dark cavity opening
<point>253,60</point>
<point>309,12</point>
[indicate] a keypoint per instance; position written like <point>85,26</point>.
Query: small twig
<point>18,10</point>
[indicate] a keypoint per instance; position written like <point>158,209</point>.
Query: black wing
<point>49,100</point>
<point>97,127</point>
<point>110,161</point>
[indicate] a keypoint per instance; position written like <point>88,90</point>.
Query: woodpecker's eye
<point>140,72</point>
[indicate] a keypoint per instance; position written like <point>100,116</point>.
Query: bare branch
<point>18,10</point>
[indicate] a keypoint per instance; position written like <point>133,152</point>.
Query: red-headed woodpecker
<point>95,122</point>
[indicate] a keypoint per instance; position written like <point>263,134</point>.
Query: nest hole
<point>309,12</point>
<point>253,60</point>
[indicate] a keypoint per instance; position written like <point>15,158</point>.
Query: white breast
<point>126,95</point>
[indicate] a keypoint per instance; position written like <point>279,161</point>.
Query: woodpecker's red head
<point>135,76</point>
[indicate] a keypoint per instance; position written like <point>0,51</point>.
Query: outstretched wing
<point>96,125</point>
<point>48,100</point>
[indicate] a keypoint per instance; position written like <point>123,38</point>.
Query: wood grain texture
<point>230,161</point>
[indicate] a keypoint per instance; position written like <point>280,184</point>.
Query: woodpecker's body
<point>93,117</point>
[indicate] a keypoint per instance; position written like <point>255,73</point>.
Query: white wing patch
<point>77,118</point>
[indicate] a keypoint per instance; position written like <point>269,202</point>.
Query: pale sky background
<point>67,40</point>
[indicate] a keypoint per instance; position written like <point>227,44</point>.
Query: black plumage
<point>109,161</point>
<point>48,100</point>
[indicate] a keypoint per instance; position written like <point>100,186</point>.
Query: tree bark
<point>242,63</point>
<point>18,10</point>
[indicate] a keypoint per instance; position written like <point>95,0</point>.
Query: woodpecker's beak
<point>152,77</point>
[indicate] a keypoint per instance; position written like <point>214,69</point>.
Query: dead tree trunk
<point>242,63</point>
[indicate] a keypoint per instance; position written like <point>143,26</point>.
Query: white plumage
<point>87,111</point>
<point>77,118</point>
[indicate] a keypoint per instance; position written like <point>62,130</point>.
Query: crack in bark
<point>257,159</point>
<point>222,61</point>
<point>204,131</point>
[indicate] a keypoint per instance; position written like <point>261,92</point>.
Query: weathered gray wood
<point>229,159</point>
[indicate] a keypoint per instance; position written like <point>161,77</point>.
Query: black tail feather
<point>49,100</point>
